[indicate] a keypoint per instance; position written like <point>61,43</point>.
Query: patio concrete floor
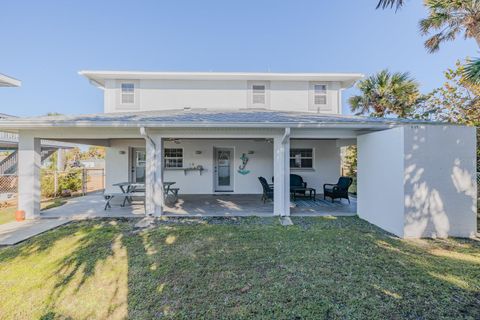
<point>14,232</point>
<point>91,206</point>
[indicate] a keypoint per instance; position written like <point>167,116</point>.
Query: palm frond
<point>390,4</point>
<point>433,43</point>
<point>472,71</point>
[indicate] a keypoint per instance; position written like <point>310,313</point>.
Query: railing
<point>8,136</point>
<point>9,164</point>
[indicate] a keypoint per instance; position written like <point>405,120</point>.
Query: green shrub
<point>47,182</point>
<point>71,180</point>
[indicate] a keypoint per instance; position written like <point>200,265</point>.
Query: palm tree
<point>448,19</point>
<point>472,71</point>
<point>386,93</point>
<point>390,3</point>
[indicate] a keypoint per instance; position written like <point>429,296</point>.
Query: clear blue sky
<point>45,43</point>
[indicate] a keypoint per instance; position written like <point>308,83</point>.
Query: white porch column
<point>154,200</point>
<point>29,163</point>
<point>281,173</point>
<point>60,160</point>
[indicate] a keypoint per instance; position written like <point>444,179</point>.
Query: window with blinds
<point>128,93</point>
<point>320,94</point>
<point>173,158</point>
<point>258,94</point>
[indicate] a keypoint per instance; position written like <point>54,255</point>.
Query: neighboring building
<point>6,81</point>
<point>9,141</point>
<point>216,133</point>
<point>92,163</point>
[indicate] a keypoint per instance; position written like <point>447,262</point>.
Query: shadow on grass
<point>254,268</point>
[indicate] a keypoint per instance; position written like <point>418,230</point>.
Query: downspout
<point>285,220</point>
<point>286,135</point>
<point>143,133</point>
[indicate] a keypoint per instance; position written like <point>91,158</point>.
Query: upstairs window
<point>301,158</point>
<point>258,94</point>
<point>173,157</point>
<point>319,94</point>
<point>128,93</point>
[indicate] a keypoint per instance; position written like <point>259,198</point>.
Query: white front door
<point>139,158</point>
<point>223,169</point>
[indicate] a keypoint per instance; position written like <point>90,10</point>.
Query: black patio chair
<point>267,190</point>
<point>296,181</point>
<point>338,190</point>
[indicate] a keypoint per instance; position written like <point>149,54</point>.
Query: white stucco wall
<point>419,181</point>
<point>440,181</point>
<point>326,165</point>
<point>214,94</point>
<point>380,179</point>
<point>117,161</point>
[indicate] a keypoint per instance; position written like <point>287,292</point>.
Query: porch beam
<point>29,163</point>
<point>281,173</point>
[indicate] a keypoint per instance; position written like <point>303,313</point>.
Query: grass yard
<point>331,268</point>
<point>8,214</point>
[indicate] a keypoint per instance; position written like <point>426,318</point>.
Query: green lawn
<point>8,214</point>
<point>335,268</point>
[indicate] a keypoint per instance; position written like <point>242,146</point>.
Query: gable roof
<point>198,118</point>
<point>99,77</point>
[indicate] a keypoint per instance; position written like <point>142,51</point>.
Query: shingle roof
<point>222,116</point>
<point>204,117</point>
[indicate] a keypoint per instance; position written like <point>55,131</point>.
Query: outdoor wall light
<point>251,152</point>
<point>198,152</point>
<point>122,152</point>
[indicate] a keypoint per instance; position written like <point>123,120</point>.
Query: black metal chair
<point>338,190</point>
<point>267,190</point>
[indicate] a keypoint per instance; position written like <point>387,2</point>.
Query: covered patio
<point>189,205</point>
<point>224,153</point>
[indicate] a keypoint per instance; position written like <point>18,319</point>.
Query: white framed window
<point>258,94</point>
<point>319,94</point>
<point>318,97</point>
<point>173,157</point>
<point>301,158</point>
<point>127,94</point>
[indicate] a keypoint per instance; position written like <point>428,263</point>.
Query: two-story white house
<point>214,134</point>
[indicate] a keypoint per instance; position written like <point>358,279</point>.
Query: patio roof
<point>200,118</point>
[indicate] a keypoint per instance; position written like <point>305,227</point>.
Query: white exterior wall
<point>419,181</point>
<point>326,164</point>
<point>440,181</point>
<point>380,179</point>
<point>117,162</point>
<point>215,94</point>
